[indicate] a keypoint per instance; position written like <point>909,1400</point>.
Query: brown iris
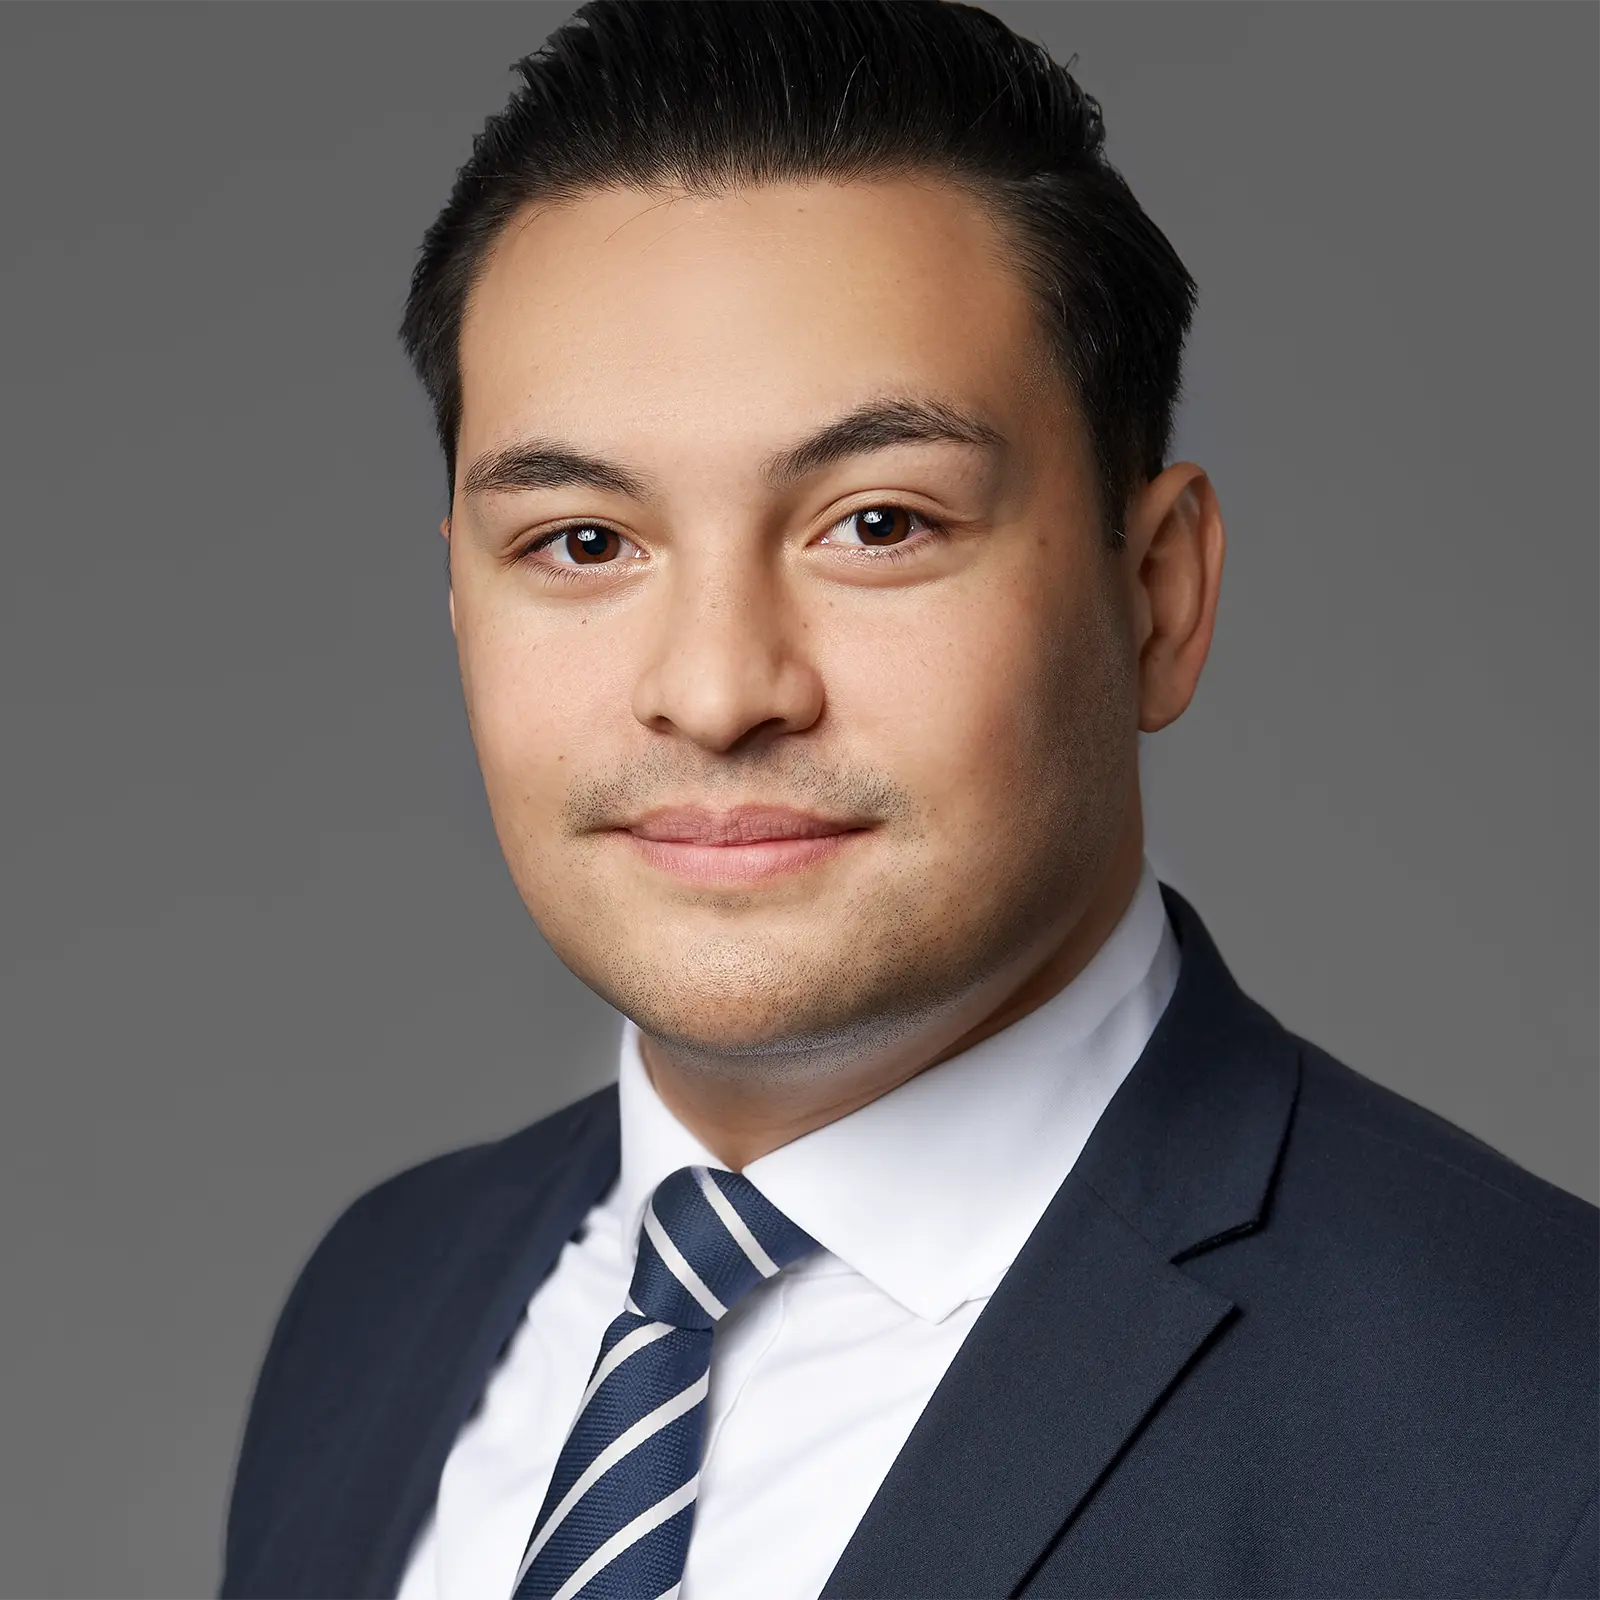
<point>880,525</point>
<point>588,546</point>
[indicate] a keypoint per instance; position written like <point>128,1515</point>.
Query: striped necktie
<point>615,1522</point>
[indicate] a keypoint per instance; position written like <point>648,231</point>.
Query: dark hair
<point>709,95</point>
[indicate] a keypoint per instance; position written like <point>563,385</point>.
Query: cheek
<point>948,697</point>
<point>532,695</point>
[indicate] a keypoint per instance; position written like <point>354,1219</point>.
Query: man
<point>956,1227</point>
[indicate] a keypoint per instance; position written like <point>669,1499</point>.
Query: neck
<point>741,1119</point>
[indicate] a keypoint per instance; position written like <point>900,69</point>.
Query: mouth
<point>740,848</point>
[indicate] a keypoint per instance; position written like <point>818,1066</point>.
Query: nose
<point>727,666</point>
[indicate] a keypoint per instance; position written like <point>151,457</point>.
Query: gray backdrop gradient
<point>260,948</point>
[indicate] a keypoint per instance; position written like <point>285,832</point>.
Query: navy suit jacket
<point>1279,1333</point>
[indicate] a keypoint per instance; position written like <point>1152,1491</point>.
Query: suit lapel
<point>1087,1332</point>
<point>1095,1322</point>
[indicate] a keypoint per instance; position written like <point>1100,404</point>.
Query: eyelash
<point>879,555</point>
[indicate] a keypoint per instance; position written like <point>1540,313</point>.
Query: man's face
<point>922,642</point>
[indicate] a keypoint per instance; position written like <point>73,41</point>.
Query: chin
<point>750,1005</point>
<point>743,1039</point>
<point>728,1019</point>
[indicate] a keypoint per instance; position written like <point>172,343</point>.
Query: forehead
<point>627,309</point>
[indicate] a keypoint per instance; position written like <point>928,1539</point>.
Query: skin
<point>970,698</point>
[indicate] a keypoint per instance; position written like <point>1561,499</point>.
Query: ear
<point>444,528</point>
<point>1174,548</point>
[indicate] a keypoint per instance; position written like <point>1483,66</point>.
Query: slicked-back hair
<point>706,97</point>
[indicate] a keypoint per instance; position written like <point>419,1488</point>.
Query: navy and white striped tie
<point>615,1522</point>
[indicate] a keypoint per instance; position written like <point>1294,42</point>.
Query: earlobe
<point>1179,579</point>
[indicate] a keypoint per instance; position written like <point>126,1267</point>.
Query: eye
<point>586,544</point>
<point>877,528</point>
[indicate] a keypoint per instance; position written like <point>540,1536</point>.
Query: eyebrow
<point>875,425</point>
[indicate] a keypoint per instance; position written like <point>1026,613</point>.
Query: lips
<point>737,849</point>
<point>744,825</point>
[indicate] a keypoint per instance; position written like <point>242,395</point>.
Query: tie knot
<point>709,1237</point>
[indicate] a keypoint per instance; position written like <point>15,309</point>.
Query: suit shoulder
<point>428,1204</point>
<point>398,1237</point>
<point>1449,1247</point>
<point>1424,1150</point>
<point>398,1246</point>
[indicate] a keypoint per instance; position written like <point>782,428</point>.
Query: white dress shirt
<point>920,1202</point>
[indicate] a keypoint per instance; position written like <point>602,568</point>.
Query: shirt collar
<point>931,1190</point>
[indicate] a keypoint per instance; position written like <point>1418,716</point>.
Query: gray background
<point>260,949</point>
